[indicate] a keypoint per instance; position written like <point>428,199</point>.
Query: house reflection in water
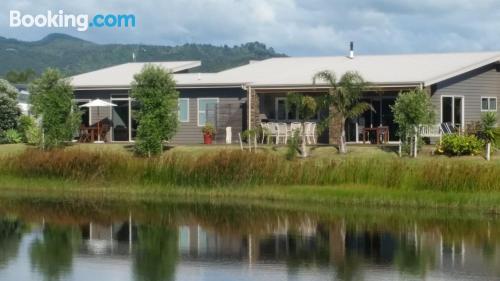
<point>348,250</point>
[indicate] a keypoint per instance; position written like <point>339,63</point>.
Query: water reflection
<point>186,244</point>
<point>51,253</point>
<point>10,238</point>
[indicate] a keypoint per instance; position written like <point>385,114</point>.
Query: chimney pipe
<point>351,52</point>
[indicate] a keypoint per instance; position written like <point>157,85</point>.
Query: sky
<point>294,27</point>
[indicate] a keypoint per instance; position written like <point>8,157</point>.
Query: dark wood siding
<point>188,132</point>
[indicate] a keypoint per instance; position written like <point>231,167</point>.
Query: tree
<point>412,109</point>
<point>11,232</point>
<point>52,99</point>
<point>154,91</point>
<point>344,97</point>
<point>488,123</point>
<point>306,107</point>
<point>18,77</point>
<point>9,111</point>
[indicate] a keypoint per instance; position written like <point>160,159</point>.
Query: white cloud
<point>306,27</point>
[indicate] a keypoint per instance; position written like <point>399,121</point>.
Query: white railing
<point>430,130</point>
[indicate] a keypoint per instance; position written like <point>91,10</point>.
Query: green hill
<point>73,55</point>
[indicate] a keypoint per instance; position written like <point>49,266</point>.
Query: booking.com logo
<point>82,22</point>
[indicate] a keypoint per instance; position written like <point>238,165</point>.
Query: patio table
<point>92,131</point>
<point>382,130</point>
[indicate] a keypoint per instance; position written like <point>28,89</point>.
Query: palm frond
<point>326,76</point>
<point>358,109</point>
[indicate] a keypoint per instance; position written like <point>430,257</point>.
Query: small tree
<point>154,90</point>
<point>488,123</point>
<point>344,96</point>
<point>9,111</point>
<point>306,107</point>
<point>412,109</point>
<point>52,100</point>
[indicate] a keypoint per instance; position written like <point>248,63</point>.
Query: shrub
<point>456,145</point>
<point>25,123</point>
<point>10,136</point>
<point>496,133</point>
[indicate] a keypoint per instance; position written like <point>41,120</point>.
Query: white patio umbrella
<point>98,103</point>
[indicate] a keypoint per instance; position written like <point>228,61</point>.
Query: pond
<point>185,241</point>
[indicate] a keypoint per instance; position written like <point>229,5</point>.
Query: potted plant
<point>208,132</point>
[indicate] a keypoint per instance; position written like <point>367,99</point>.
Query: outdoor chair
<point>84,135</point>
<point>272,131</point>
<point>294,127</point>
<point>282,133</point>
<point>309,131</point>
<point>105,127</point>
<point>312,134</point>
<point>265,131</point>
<point>447,128</point>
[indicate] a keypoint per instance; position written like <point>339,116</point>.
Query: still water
<point>77,241</point>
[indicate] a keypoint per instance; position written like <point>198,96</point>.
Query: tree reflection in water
<point>52,254</point>
<point>156,252</point>
<point>11,231</point>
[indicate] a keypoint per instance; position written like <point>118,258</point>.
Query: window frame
<point>179,110</point>
<point>198,109</point>
<point>488,98</point>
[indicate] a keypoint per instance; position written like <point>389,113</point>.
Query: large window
<point>283,112</point>
<point>205,107</point>
<point>488,104</point>
<point>183,110</point>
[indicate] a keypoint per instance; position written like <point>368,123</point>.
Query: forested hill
<point>73,55</point>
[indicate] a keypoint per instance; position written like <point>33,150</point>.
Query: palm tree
<point>344,97</point>
<point>306,107</point>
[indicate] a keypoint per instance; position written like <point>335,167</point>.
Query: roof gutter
<point>315,87</point>
<point>187,86</point>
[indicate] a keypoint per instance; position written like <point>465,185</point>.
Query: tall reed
<point>239,168</point>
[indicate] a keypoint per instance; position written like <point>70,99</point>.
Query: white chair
<point>265,131</point>
<point>272,131</point>
<point>282,132</point>
<point>294,127</point>
<point>310,132</point>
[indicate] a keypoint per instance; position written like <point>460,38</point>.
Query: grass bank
<point>239,169</point>
<point>365,179</point>
<point>295,197</point>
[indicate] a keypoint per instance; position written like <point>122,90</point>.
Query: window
<point>183,110</point>
<point>206,109</point>
<point>283,113</point>
<point>488,104</point>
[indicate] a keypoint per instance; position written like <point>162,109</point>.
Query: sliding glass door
<point>452,110</point>
<point>121,119</point>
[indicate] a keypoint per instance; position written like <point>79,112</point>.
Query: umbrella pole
<point>98,126</point>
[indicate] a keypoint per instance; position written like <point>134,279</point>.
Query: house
<point>462,86</point>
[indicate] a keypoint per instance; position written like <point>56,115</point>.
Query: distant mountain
<point>73,55</point>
